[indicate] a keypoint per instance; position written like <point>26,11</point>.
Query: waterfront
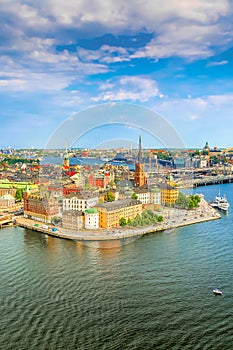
<point>155,293</point>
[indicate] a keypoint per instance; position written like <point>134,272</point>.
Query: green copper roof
<point>91,211</point>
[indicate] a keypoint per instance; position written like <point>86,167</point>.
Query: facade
<point>110,213</point>
<point>12,187</point>
<point>169,191</point>
<point>155,197</point>
<point>72,219</point>
<point>40,207</point>
<point>91,216</point>
<point>139,175</point>
<point>100,180</point>
<point>80,201</point>
<point>7,201</point>
<point>143,195</point>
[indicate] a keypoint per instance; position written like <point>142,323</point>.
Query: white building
<point>91,219</point>
<point>155,196</point>
<point>79,201</point>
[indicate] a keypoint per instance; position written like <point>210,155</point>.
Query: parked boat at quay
<point>220,203</point>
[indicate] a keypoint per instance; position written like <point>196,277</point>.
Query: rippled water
<point>155,293</point>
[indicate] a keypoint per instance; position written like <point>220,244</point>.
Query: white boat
<point>221,203</point>
<point>217,291</point>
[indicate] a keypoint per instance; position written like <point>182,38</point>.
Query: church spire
<point>140,150</point>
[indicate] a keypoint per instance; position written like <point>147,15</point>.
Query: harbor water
<point>155,293</point>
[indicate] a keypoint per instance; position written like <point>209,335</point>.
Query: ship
<point>220,203</point>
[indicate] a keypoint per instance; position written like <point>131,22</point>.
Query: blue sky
<point>59,58</point>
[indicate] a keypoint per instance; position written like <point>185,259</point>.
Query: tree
<point>160,218</point>
<point>134,196</point>
<point>129,221</point>
<point>110,197</point>
<point>19,194</point>
<point>55,220</point>
<point>182,201</point>
<point>123,222</point>
<point>194,201</point>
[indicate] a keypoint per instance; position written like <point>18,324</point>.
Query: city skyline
<point>61,58</point>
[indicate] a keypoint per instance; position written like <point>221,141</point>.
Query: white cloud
<point>179,27</point>
<point>128,89</point>
<point>217,63</point>
<point>106,54</point>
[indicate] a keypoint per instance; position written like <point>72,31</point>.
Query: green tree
<point>19,194</point>
<point>129,221</point>
<point>194,201</point>
<point>110,196</point>
<point>160,218</point>
<point>55,220</point>
<point>134,196</point>
<point>182,201</point>
<point>123,222</point>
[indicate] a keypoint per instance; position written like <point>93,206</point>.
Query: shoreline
<point>173,218</point>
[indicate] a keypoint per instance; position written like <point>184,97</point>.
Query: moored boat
<point>220,203</point>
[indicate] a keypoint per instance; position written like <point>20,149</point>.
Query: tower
<point>139,175</point>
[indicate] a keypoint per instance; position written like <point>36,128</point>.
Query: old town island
<point>108,194</point>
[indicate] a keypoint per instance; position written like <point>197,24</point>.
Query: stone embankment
<point>173,218</point>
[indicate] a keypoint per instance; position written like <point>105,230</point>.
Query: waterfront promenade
<point>173,218</point>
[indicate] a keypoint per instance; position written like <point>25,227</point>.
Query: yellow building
<point>110,213</point>
<point>169,191</point>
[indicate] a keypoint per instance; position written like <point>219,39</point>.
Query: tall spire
<point>140,150</point>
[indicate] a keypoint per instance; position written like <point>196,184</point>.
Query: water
<point>155,293</point>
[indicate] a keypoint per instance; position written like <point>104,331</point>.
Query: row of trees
<point>187,202</point>
<point>146,218</point>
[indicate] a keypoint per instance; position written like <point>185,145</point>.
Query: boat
<point>217,291</point>
<point>220,203</point>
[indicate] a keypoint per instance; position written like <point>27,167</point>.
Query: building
<point>81,201</point>
<point>139,174</point>
<point>169,191</point>
<point>11,187</point>
<point>155,197</point>
<point>7,201</point>
<point>40,207</point>
<point>149,196</point>
<point>143,195</point>
<point>73,219</point>
<point>110,213</point>
<point>91,219</point>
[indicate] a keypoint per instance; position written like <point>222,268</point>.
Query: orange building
<point>139,175</point>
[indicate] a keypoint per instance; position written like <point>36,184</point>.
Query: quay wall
<point>189,217</point>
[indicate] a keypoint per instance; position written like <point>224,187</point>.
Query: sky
<point>59,58</point>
